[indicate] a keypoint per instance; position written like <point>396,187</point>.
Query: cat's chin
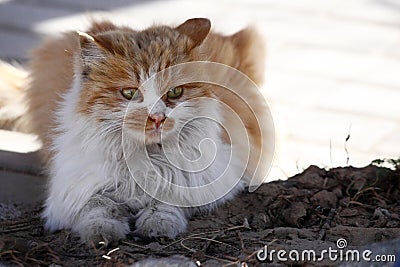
<point>149,137</point>
<point>156,136</point>
<point>153,137</point>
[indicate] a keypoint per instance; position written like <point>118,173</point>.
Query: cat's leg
<point>102,219</point>
<point>161,220</point>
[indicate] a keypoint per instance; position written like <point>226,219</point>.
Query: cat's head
<point>115,64</point>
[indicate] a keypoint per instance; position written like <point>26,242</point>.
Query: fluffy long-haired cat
<point>122,127</point>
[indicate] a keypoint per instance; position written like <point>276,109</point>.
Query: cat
<point>114,130</point>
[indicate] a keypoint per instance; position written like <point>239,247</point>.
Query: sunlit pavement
<point>333,66</point>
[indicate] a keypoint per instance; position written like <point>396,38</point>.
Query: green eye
<point>175,92</point>
<point>130,93</point>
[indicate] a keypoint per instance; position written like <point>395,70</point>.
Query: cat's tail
<point>13,84</point>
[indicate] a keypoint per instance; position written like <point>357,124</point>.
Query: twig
<point>240,236</point>
<point>184,246</point>
<point>16,260</point>
<point>362,204</point>
<point>325,182</point>
<point>79,256</point>
<point>205,233</point>
<point>53,254</point>
<point>235,261</point>
<point>134,245</point>
<point>252,254</point>
<point>133,256</point>
<point>18,222</point>
<point>326,225</point>
<point>198,236</point>
<point>212,240</point>
<point>38,261</point>
<point>345,147</point>
<point>15,229</point>
<point>248,258</point>
<point>183,238</point>
<point>357,195</point>
<point>208,243</point>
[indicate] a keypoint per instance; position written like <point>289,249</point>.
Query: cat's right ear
<point>90,48</point>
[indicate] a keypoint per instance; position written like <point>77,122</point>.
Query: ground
<point>342,209</point>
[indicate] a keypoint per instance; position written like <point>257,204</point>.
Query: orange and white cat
<point>88,104</point>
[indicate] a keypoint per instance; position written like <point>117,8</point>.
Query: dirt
<point>312,210</point>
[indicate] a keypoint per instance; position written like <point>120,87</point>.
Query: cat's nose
<point>158,118</point>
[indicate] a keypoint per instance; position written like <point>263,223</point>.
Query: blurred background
<point>333,67</point>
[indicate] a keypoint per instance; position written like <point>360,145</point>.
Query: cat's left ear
<point>196,29</point>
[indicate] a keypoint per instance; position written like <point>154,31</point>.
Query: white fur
<point>88,161</point>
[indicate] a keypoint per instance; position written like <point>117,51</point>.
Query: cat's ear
<point>196,29</point>
<point>101,44</point>
<point>91,47</point>
<point>250,52</point>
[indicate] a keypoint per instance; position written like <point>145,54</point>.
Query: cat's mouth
<point>153,131</point>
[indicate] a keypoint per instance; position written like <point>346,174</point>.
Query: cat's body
<point>94,140</point>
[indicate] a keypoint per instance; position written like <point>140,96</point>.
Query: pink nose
<point>157,118</point>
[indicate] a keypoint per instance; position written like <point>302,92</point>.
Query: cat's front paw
<point>103,231</point>
<point>164,221</point>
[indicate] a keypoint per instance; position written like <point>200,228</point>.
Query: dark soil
<point>311,210</point>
